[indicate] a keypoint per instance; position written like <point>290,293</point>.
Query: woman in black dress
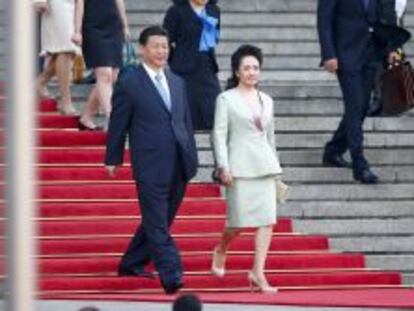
<point>194,28</point>
<point>101,27</point>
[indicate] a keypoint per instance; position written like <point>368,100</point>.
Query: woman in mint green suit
<point>245,151</point>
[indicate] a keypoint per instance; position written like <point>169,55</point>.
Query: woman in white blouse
<point>244,146</point>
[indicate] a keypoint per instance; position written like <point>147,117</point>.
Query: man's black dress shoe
<point>335,160</point>
<point>171,289</point>
<point>366,176</point>
<point>139,272</point>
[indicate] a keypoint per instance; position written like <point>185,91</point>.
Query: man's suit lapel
<point>146,80</point>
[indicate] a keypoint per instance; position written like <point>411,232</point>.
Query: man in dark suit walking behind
<point>349,49</point>
<point>150,107</point>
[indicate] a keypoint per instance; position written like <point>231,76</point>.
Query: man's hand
<point>393,57</point>
<point>226,178</point>
<point>331,65</point>
<point>111,169</point>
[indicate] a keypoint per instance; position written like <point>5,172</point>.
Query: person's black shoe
<point>138,272</point>
<point>366,176</point>
<point>171,289</point>
<point>335,160</point>
<point>89,79</point>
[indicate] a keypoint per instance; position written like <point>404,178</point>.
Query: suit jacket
<point>388,30</point>
<point>387,13</point>
<point>344,32</point>
<point>184,29</point>
<point>156,135</point>
<point>239,146</point>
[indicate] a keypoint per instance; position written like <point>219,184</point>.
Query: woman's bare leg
<point>64,63</point>
<point>49,70</point>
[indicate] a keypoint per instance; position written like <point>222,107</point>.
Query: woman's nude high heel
<point>219,272</point>
<point>263,286</point>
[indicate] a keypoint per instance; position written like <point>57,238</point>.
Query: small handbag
<point>282,191</point>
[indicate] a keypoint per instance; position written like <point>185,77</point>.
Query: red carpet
<point>85,220</point>
<point>373,298</point>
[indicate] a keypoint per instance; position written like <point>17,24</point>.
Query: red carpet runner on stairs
<point>85,220</point>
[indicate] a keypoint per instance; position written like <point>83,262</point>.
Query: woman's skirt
<point>251,202</point>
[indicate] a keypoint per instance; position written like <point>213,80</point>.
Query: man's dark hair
<point>187,302</point>
<point>178,2</point>
<point>151,31</point>
<point>88,309</point>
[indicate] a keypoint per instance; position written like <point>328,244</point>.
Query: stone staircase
<point>376,220</point>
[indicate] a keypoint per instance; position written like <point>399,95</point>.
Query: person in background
<point>101,28</point>
<point>187,302</point>
<point>390,33</point>
<point>349,50</point>
<point>150,107</point>
<point>194,30</point>
<point>56,31</point>
<point>245,150</point>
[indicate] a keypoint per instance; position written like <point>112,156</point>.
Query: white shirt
<point>152,73</point>
<point>400,6</point>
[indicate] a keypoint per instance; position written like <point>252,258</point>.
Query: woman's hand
<point>77,38</point>
<point>127,33</point>
<point>226,178</point>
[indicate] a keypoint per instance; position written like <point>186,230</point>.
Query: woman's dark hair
<point>185,1</point>
<point>151,31</point>
<point>236,59</point>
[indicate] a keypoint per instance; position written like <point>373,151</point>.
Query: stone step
<point>346,209</point>
<point>408,278</point>
<point>318,140</point>
<point>313,158</point>
<point>240,34</point>
<point>347,192</point>
<point>288,75</point>
<point>325,175</point>
<point>245,19</point>
<point>389,174</point>
<point>329,124</point>
<point>268,6</point>
<point>235,19</point>
<point>284,107</point>
<point>339,191</point>
<point>242,6</point>
<point>293,91</point>
<point>378,245</point>
<point>358,228</point>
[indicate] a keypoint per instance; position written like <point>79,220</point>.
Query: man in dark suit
<point>150,106</point>
<point>349,49</point>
